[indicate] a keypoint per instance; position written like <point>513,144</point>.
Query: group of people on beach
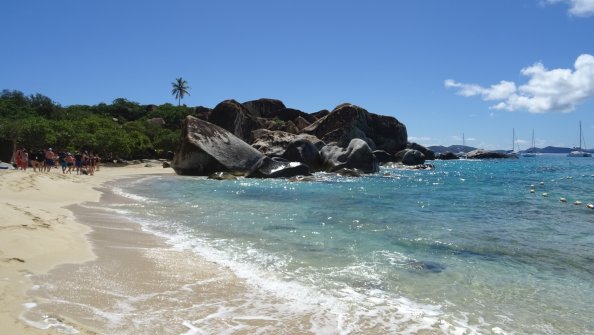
<point>82,162</point>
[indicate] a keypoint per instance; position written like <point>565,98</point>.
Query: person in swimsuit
<point>24,159</point>
<point>17,158</point>
<point>49,160</point>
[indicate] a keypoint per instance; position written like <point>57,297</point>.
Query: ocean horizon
<point>471,247</point>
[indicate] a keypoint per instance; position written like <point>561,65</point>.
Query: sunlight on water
<point>466,248</point>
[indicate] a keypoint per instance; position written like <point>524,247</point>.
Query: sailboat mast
<point>580,135</point>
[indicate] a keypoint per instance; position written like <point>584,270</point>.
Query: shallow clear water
<point>465,248</point>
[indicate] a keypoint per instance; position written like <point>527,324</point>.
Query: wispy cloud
<point>556,90</point>
<point>459,138</point>
<point>419,139</point>
<point>577,7</point>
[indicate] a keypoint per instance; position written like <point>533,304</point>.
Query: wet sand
<point>134,275</point>
<point>38,233</point>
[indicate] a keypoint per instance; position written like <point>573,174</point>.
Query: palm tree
<point>180,88</point>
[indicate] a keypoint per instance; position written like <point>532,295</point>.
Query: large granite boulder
<point>207,148</point>
<point>410,157</point>
<point>266,108</point>
<point>348,121</point>
<point>357,155</point>
<point>413,157</point>
<point>304,151</point>
<point>276,167</point>
<point>234,117</point>
<point>486,154</point>
<point>428,153</point>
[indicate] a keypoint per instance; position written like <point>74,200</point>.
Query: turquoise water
<point>466,248</point>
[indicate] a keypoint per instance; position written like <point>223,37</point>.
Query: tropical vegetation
<point>123,129</point>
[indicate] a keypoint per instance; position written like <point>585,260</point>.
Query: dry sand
<point>38,233</point>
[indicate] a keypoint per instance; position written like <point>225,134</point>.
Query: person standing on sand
<point>24,159</point>
<point>69,162</point>
<point>35,160</point>
<point>78,162</point>
<point>49,160</point>
<point>17,158</point>
<point>62,160</point>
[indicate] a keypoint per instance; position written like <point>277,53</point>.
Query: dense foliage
<point>118,130</point>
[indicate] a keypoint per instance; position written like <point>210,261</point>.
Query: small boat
<point>532,149</point>
<point>579,152</point>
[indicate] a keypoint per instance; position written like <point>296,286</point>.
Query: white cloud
<point>577,7</point>
<point>556,90</point>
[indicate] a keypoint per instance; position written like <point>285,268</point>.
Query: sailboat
<point>533,147</point>
<point>579,152</point>
<point>513,152</point>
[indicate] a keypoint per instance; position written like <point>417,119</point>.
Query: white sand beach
<point>37,232</point>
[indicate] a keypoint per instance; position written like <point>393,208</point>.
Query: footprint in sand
<point>13,260</point>
<point>41,223</point>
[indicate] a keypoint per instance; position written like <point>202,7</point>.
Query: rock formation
<point>234,117</point>
<point>486,154</point>
<point>357,155</point>
<point>348,121</point>
<point>207,148</point>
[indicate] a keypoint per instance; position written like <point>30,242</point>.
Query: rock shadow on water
<point>427,266</point>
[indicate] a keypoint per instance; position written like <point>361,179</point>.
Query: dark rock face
<point>320,114</point>
<point>301,123</point>
<point>266,108</point>
<point>447,156</point>
<point>275,143</point>
<point>234,117</point>
<point>302,150</point>
<point>276,167</point>
<point>485,154</point>
<point>410,157</point>
<point>288,114</point>
<point>202,112</point>
<point>357,155</point>
<point>383,157</point>
<point>413,157</point>
<point>207,148</point>
<point>347,122</point>
<point>428,153</point>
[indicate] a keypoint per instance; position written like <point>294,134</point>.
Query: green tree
<point>180,88</point>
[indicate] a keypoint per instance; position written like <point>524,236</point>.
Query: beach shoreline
<point>39,233</point>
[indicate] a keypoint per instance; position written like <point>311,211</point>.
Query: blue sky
<point>441,67</point>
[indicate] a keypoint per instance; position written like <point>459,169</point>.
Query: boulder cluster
<point>265,139</point>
